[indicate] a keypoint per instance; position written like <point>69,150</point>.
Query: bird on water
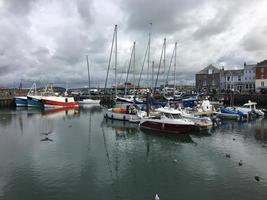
<point>157,197</point>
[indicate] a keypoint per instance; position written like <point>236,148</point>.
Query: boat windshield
<point>168,115</point>
<point>177,116</point>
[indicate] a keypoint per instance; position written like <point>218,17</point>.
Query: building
<point>208,79</point>
<point>249,77</point>
<point>261,76</point>
<point>232,80</point>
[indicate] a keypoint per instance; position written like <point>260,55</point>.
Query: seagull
<point>46,139</point>
<point>157,197</point>
<point>233,139</point>
<point>227,156</point>
<point>257,178</point>
<point>240,163</point>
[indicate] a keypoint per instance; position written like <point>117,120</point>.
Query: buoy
<point>157,197</point>
<point>228,156</point>
<point>240,163</point>
<point>175,161</point>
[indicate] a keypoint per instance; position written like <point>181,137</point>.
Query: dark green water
<point>91,158</point>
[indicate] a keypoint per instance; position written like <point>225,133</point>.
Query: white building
<point>232,80</point>
<point>249,77</point>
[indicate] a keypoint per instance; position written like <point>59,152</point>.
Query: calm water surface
<point>88,157</point>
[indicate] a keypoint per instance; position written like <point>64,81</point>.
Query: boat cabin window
<point>66,100</point>
<point>177,116</point>
<point>168,115</point>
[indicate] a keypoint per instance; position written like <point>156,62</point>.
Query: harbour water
<point>87,157</point>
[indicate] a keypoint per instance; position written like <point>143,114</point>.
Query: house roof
<point>262,63</point>
<point>209,67</point>
<point>250,66</point>
<point>235,72</point>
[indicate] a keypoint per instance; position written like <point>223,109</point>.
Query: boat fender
<point>162,126</point>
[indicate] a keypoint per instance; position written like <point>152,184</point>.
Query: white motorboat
<point>89,101</point>
<point>250,107</point>
<point>168,120</point>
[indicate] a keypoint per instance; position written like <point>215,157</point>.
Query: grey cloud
<point>84,9</point>
<point>19,7</point>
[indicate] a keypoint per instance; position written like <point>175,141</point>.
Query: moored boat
<point>125,113</point>
<point>21,101</point>
<point>59,101</point>
<point>229,113</point>
<point>89,101</point>
<point>250,107</point>
<point>168,121</point>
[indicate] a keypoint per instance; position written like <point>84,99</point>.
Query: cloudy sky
<point>47,40</point>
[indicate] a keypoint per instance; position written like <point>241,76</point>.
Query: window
<point>262,83</point>
<point>239,78</point>
<point>232,78</point>
<point>210,71</point>
<point>245,78</point>
<point>246,86</point>
<point>228,78</point>
<point>262,70</point>
<point>262,76</point>
<point>249,71</point>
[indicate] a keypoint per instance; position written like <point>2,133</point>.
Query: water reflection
<point>122,129</point>
<point>260,127</point>
<point>64,113</point>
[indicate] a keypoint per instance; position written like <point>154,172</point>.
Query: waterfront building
<point>249,77</point>
<point>261,76</point>
<point>208,79</point>
<point>232,80</point>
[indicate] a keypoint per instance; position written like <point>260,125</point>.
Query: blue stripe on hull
<point>34,103</point>
<point>21,102</point>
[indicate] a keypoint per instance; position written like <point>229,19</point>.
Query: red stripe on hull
<point>59,104</point>
<point>166,128</point>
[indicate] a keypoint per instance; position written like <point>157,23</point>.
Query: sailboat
<point>89,100</point>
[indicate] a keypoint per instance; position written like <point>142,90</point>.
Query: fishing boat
<point>168,121</point>
<point>126,113</point>
<point>33,98</point>
<point>59,101</point>
<point>250,107</point>
<point>20,98</point>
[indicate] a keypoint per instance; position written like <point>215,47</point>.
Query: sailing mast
<point>125,86</point>
<point>159,65</point>
<point>116,52</point>
<point>164,65</point>
<point>174,83</point>
<point>88,74</point>
<point>110,56</point>
<point>147,55</point>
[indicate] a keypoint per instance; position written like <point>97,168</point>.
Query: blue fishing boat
<point>21,101</point>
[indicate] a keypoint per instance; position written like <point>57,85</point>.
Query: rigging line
<point>143,64</point>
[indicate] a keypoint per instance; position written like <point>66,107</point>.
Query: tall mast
<point>134,66</point>
<point>164,64</point>
<point>88,74</point>
<point>125,88</point>
<point>110,56</point>
<point>159,66</point>
<point>148,54</point>
<point>153,67</point>
<point>174,84</point>
<point>116,53</point>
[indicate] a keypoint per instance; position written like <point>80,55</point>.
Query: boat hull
<point>21,101</point>
<point>166,128</point>
<point>89,101</point>
<point>34,102</point>
<point>122,116</point>
<point>53,103</point>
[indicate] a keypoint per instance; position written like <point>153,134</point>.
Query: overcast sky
<point>47,40</point>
